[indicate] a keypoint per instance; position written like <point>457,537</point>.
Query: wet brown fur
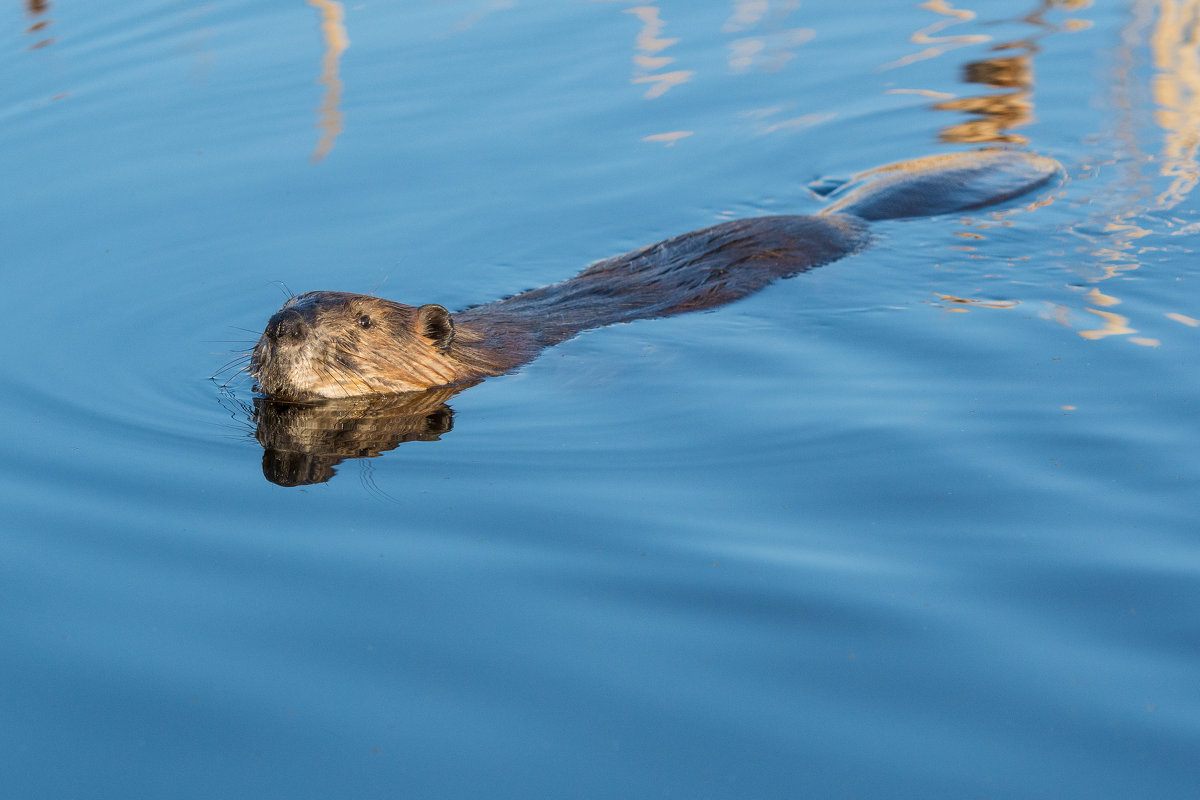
<point>318,344</point>
<point>335,344</point>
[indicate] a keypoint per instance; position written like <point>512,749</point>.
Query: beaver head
<point>335,344</point>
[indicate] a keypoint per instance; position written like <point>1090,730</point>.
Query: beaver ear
<point>434,323</point>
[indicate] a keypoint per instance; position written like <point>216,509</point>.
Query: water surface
<point>919,523</point>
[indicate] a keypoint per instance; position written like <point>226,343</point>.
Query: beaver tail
<point>717,265</point>
<point>942,184</point>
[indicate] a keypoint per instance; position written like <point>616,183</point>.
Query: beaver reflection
<point>997,114</point>
<point>304,442</point>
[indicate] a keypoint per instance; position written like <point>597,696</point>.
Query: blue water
<point>919,523</point>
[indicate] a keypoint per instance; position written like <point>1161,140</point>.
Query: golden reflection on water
<point>765,40</point>
<point>1176,91</point>
<point>996,113</point>
<point>669,139</point>
<point>1098,298</point>
<point>333,34</point>
<point>647,59</point>
<point>937,45</point>
<point>1169,32</point>
<point>1114,325</point>
<point>774,44</point>
<point>36,10</point>
<point>1010,70</point>
<point>961,304</point>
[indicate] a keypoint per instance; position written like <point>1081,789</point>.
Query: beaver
<point>325,344</point>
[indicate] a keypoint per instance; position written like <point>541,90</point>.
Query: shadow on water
<point>304,442</point>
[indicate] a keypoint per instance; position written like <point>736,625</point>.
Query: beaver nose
<point>287,325</point>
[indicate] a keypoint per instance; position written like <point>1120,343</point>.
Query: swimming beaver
<point>336,345</point>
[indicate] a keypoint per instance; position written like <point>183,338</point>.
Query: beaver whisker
<point>347,380</point>
<point>344,359</point>
<point>229,364</point>
<point>288,293</point>
<point>225,384</point>
<point>337,377</point>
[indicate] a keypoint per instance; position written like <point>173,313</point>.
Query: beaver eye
<point>364,321</point>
